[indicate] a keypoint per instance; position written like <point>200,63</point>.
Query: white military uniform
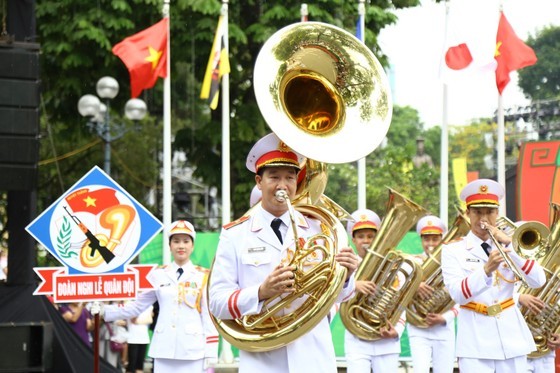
<point>543,364</point>
<point>381,355</point>
<point>247,253</point>
<point>184,334</point>
<point>435,344</point>
<point>482,336</point>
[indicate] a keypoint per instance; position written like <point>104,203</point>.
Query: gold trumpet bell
<point>319,87</point>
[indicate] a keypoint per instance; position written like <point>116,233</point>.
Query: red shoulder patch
<point>236,222</point>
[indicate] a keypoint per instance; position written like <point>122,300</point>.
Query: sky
<point>415,46</point>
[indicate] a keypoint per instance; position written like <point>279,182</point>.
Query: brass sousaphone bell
<point>324,94</point>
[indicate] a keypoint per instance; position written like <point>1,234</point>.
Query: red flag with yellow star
<point>511,53</point>
<point>145,56</point>
<point>84,200</point>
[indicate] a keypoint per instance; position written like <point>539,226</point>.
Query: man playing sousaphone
<point>252,265</point>
<point>492,334</point>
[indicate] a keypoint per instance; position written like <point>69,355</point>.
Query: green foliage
<point>540,81</point>
<point>76,38</point>
<point>390,166</point>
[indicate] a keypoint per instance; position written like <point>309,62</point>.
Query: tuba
<point>317,87</point>
<point>439,301</point>
<point>545,250</point>
<point>365,315</point>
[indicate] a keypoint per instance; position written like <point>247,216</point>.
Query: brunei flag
<point>218,65</point>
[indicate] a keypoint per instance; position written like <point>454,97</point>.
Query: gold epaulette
<point>202,269</point>
<point>236,222</point>
<point>455,240</point>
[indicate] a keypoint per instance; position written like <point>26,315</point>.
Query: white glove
<point>97,308</point>
<point>210,362</point>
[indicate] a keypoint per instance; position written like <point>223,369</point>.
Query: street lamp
<point>99,119</point>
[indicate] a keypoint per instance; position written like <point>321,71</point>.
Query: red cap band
<point>487,198</point>
<point>431,229</point>
<point>364,225</point>
<point>277,157</point>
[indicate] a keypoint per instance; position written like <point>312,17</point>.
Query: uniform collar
<point>473,245</point>
<point>263,218</point>
<point>187,267</point>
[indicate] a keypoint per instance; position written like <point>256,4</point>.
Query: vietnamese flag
<point>84,200</point>
<point>511,53</point>
<point>145,56</point>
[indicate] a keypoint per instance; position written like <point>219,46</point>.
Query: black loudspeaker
<point>26,347</point>
<point>19,115</point>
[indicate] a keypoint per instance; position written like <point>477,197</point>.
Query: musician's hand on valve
<point>553,341</point>
<point>281,280</point>
<point>366,287</point>
<point>534,304</point>
<point>433,319</point>
<point>425,291</point>
<point>494,261</point>
<point>388,331</point>
<point>347,259</point>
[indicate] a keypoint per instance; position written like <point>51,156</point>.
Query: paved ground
<point>221,368</point>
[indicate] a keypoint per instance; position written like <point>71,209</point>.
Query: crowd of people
<point>254,269</point>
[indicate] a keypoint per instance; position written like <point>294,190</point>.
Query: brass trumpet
<point>525,238</point>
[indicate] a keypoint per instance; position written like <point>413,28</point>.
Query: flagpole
<point>226,197</point>
<point>166,254</point>
<point>501,154</point>
<point>362,161</point>
<point>226,355</point>
<point>304,12</point>
<point>444,165</point>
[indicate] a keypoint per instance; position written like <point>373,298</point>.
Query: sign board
<point>95,230</point>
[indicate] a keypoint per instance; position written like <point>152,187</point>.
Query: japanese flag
<point>470,42</point>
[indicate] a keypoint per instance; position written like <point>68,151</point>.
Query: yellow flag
<point>460,177</point>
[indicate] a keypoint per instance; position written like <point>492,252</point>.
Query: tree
<point>252,25</point>
<point>76,38</point>
<point>390,166</point>
<point>540,81</point>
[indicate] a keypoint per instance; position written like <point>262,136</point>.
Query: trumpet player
<point>437,341</point>
<point>252,264</point>
<point>491,333</point>
<point>381,355</point>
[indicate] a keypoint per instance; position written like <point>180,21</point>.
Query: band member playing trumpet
<point>381,355</point>
<point>252,264</point>
<point>437,341</point>
<point>492,334</point>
